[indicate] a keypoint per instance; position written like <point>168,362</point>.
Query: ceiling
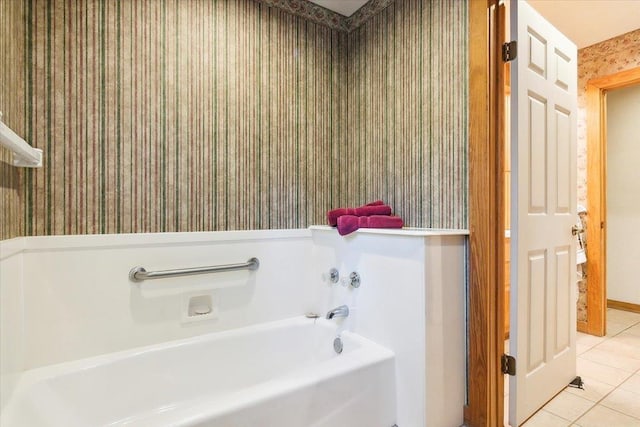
<point>585,22</point>
<point>343,7</point>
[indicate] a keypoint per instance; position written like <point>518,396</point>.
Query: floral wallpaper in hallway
<point>599,60</point>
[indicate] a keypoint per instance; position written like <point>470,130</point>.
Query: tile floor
<point>610,369</point>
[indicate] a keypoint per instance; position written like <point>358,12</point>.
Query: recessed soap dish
<point>198,307</point>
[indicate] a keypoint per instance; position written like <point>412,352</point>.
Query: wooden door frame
<point>485,384</point>
<point>597,197</point>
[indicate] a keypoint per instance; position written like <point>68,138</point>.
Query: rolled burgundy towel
<point>374,208</point>
<point>349,223</point>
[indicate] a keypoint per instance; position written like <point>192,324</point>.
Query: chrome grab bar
<point>138,274</point>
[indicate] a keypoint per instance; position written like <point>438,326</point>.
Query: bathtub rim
<point>367,355</point>
<point>30,244</point>
<point>32,376</point>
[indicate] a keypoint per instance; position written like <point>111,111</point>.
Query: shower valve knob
<point>354,280</point>
<point>334,275</point>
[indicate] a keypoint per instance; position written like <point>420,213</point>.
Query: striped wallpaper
<point>189,115</point>
<point>12,27</point>
<point>179,116</point>
<point>407,96</point>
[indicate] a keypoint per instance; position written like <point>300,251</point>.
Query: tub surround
<point>72,296</point>
<point>411,300</point>
<point>76,289</point>
<point>12,319</point>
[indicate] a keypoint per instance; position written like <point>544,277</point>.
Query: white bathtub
<point>283,374</point>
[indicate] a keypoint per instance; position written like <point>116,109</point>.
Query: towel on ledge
<point>374,208</point>
<point>350,223</point>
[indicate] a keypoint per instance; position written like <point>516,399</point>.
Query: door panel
<point>563,299</point>
<point>563,158</point>
<point>537,144</point>
<point>537,289</point>
<point>543,207</point>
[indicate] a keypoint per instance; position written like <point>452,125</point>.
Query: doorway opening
<point>597,225</point>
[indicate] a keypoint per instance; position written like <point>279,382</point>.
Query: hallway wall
<point>623,194</point>
<point>599,60</point>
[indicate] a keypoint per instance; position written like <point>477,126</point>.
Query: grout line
<point>574,422</point>
<point>566,419</point>
<point>607,337</point>
<point>615,387</point>
<point>620,412</point>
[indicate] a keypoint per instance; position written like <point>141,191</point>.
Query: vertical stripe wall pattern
<point>12,97</point>
<point>172,115</point>
<point>190,115</point>
<point>407,112</point>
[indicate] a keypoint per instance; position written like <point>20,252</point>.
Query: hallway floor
<point>610,369</point>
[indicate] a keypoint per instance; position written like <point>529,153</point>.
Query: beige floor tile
<point>568,406</point>
<point>615,360</point>
<point>622,345</point>
<point>601,416</point>
<point>632,384</point>
<point>543,418</point>
<point>614,328</point>
<point>581,349</point>
<point>621,316</point>
<point>600,372</point>
<point>587,340</point>
<point>623,401</point>
<point>593,390</point>
<point>634,330</point>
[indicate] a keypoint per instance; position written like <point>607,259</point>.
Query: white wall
<point>623,194</point>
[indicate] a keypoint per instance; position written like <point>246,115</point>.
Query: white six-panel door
<point>543,210</point>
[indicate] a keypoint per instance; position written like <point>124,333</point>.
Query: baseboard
<point>626,306</point>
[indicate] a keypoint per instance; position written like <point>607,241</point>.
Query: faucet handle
<point>354,280</point>
<point>334,275</point>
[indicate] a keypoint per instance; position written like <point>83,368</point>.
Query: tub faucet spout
<point>342,311</point>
